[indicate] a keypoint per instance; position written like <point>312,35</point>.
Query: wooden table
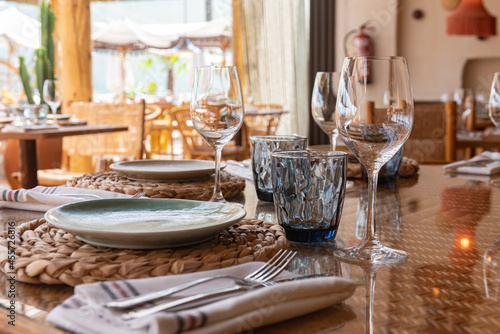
<point>449,226</point>
<point>27,145</point>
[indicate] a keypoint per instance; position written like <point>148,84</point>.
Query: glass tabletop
<point>450,282</point>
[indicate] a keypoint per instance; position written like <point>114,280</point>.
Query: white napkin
<point>475,166</point>
<point>44,198</point>
<point>82,312</point>
<point>242,169</point>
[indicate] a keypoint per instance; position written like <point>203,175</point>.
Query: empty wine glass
<point>374,119</point>
<point>51,95</point>
<point>323,102</point>
<point>217,111</point>
<point>494,102</point>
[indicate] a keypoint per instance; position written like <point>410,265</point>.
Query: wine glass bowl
<point>323,103</point>
<point>51,94</point>
<point>217,111</point>
<point>494,101</point>
<point>374,119</point>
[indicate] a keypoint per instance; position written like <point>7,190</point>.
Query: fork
<point>260,278</point>
<point>264,273</point>
<point>139,194</point>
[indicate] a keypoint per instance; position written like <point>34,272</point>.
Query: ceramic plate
<point>6,120</point>
<point>144,223</point>
<point>165,170</point>
<point>59,117</point>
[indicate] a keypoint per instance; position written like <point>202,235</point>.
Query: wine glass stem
<point>370,275</point>
<point>217,195</point>
<point>333,140</point>
<point>372,195</point>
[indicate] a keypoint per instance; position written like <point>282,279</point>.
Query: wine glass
<point>217,111</point>
<point>494,102</point>
<point>323,101</point>
<point>374,118</point>
<point>51,95</point>
<point>465,100</point>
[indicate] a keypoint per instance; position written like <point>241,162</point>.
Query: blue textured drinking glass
<point>262,147</point>
<point>309,191</point>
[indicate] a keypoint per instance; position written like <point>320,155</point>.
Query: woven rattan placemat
<point>46,254</point>
<point>201,190</point>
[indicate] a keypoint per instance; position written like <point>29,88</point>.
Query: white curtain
<point>275,38</point>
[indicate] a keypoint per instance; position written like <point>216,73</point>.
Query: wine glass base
<point>218,199</point>
<point>374,253</point>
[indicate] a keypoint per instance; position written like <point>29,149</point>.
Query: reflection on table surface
<point>450,283</point>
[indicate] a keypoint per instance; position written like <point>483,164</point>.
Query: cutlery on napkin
<point>44,198</point>
<point>83,313</point>
<point>487,163</point>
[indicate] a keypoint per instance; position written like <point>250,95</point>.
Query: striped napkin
<point>44,198</point>
<point>82,312</point>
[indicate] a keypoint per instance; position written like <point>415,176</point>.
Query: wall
<point>382,13</point>
<point>436,60</point>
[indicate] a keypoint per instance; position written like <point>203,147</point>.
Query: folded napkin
<point>241,169</point>
<point>44,198</point>
<point>487,163</point>
<point>82,312</point>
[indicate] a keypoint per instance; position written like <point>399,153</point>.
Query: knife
<point>205,297</point>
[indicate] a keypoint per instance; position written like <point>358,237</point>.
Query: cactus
<point>40,70</point>
<point>26,80</point>
<point>47,20</point>
<point>44,67</point>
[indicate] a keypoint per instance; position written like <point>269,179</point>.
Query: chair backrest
<point>264,124</point>
<point>80,152</point>
<point>433,137</point>
<point>191,139</point>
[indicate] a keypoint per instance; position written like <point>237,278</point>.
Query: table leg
<point>28,163</point>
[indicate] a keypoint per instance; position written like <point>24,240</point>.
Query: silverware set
<point>143,305</point>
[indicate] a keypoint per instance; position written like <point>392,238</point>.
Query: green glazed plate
<point>144,223</point>
<point>165,170</point>
<point>59,117</point>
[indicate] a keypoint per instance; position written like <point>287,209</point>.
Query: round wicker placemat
<point>200,190</point>
<point>46,254</point>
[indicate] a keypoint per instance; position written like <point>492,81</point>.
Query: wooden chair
<point>86,154</point>
<point>153,113</point>
<point>433,137</point>
<point>194,146</point>
<point>264,122</point>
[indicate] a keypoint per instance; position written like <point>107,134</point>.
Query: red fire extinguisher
<point>363,47</point>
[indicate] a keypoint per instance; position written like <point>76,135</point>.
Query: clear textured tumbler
<point>309,191</point>
<point>262,147</point>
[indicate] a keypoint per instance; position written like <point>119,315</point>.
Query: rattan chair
<point>95,152</point>
<point>433,137</point>
<point>194,146</point>
<point>265,121</point>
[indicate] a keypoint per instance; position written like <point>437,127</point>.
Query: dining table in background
<point>480,140</point>
<point>449,284</point>
<point>28,161</point>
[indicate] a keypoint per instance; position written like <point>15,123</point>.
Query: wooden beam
<point>74,31</point>
<point>237,43</point>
